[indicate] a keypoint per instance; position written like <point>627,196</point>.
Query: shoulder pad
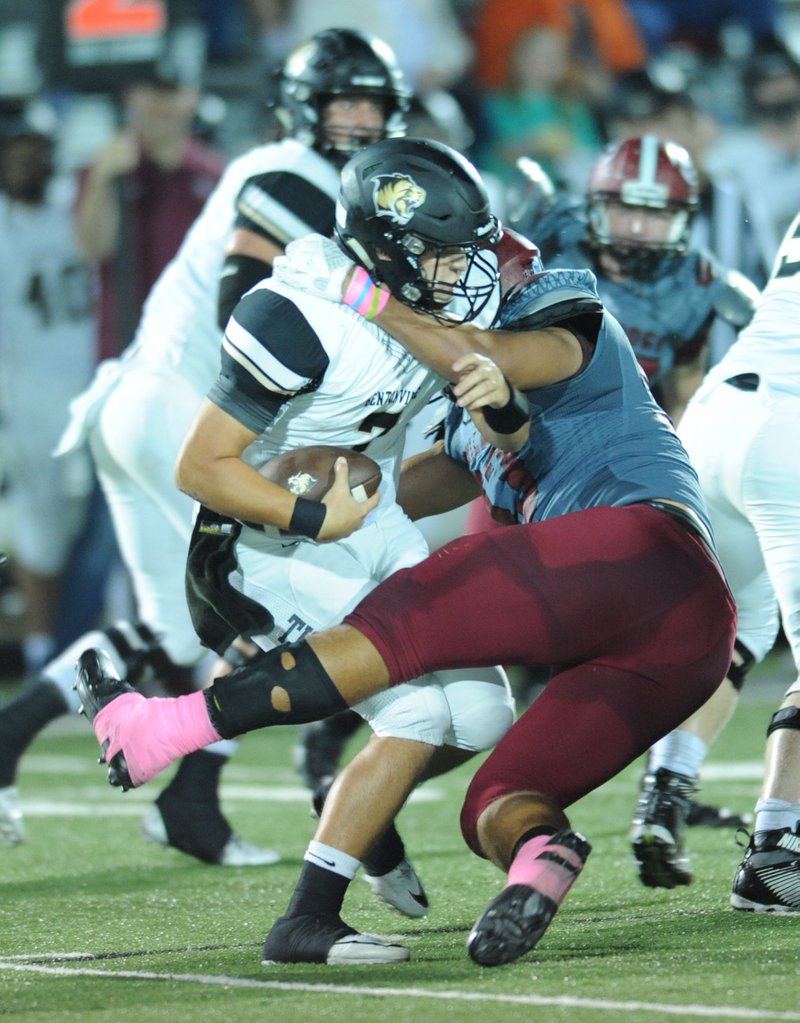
<point>552,297</point>
<point>736,300</point>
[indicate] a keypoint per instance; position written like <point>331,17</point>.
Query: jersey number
<point>376,425</point>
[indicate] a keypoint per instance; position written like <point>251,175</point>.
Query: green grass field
<point>98,925</point>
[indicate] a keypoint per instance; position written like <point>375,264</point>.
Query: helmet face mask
<point>341,63</point>
<point>654,179</point>
<point>415,214</point>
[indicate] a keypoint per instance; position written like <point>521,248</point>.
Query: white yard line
<point>723,1012</point>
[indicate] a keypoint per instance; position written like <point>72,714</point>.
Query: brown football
<point>308,472</point>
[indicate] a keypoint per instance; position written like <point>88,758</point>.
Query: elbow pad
<point>239,274</point>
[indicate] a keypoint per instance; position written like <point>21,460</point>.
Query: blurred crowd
<point>110,181</point>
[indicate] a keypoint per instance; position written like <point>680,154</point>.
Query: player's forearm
<point>511,442</point>
<point>229,486</point>
<point>529,359</point>
<point>435,344</point>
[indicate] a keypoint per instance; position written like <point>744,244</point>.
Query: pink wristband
<point>365,296</point>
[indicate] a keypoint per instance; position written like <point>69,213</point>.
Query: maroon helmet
<point>647,172</point>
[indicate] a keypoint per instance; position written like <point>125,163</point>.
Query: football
<point>308,472</point>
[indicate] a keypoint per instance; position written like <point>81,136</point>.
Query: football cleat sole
<point>511,925</point>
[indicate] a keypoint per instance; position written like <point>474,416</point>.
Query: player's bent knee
<point>417,712</point>
<point>482,708</point>
<point>483,725</point>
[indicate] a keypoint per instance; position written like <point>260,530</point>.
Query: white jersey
<point>344,380</point>
<point>47,324</point>
<point>48,338</point>
<point>178,329</point>
<point>140,407</point>
<point>770,345</point>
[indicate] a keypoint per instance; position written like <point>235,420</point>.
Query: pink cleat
<point>542,873</point>
<point>138,737</point>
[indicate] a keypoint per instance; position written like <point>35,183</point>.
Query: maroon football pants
<point>625,605</point>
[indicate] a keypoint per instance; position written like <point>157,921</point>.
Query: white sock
<point>328,858</point>
<point>772,814</point>
<point>61,670</point>
<point>679,751</point>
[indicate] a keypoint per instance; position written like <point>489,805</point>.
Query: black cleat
<point>768,878</point>
<point>703,815</point>
<point>657,831</point>
<point>326,938</point>
<point>97,684</point>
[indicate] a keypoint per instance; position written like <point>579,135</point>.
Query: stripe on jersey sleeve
<point>282,206</point>
<point>274,343</point>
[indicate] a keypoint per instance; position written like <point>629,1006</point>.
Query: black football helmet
<point>643,171</point>
<point>340,62</point>
<point>404,200</point>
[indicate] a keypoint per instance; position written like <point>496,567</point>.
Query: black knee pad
<point>284,686</point>
<point>786,717</point>
<point>741,662</point>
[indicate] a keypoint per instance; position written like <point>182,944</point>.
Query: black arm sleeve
<point>239,275</point>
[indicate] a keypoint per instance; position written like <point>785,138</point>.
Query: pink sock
<point>538,864</point>
<point>151,733</point>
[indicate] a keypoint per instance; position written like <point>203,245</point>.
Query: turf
<point>96,924</point>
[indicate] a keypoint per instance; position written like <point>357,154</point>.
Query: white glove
<point>314,264</point>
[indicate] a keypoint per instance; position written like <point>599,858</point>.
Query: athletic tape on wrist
<point>365,296</point>
<point>307,518</point>
<point>511,417</point>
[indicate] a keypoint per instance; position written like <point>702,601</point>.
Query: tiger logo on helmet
<point>397,196</point>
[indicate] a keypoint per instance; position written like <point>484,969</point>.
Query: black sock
<point>319,891</point>
<point>197,777</point>
<point>387,853</point>
<point>22,719</point>
<point>190,807</point>
<point>543,829</point>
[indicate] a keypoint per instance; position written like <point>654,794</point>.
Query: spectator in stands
<point>764,156</point>
<point>140,196</point>
<point>47,356</point>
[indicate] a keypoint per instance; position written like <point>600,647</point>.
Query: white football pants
<point>745,446</point>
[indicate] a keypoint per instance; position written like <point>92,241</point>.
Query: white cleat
<point>401,889</point>
<point>365,950</point>
<point>12,829</point>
